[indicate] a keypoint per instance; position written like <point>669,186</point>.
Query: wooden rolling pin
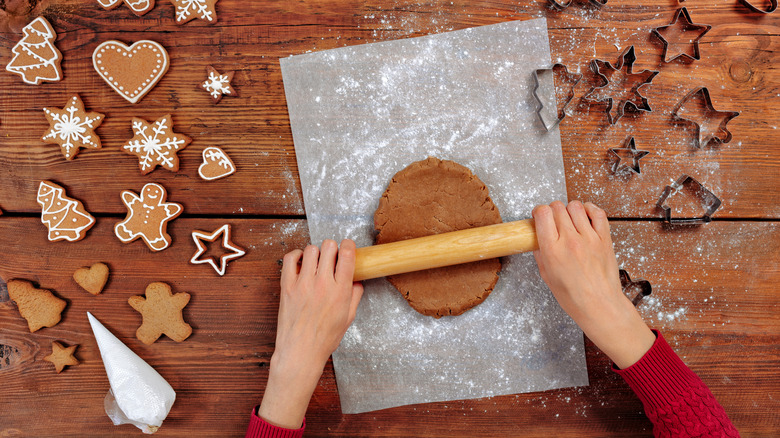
<point>445,249</point>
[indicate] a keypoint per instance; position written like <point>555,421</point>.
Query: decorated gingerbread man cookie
<point>65,217</point>
<point>72,127</point>
<point>147,217</point>
<point>36,58</point>
<point>139,7</point>
<point>187,10</point>
<point>131,71</point>
<point>162,314</point>
<point>156,144</point>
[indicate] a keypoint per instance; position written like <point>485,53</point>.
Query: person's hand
<point>576,260</point>
<point>316,308</point>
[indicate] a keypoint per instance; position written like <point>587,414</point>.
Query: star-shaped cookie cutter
<point>705,136</point>
<point>636,155</point>
<point>687,26</point>
<point>709,202</point>
<point>643,287</point>
<point>561,5</point>
<point>569,78</point>
<point>200,236</point>
<point>772,6</point>
<point>645,77</point>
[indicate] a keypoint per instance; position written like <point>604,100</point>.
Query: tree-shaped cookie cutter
<point>563,4</point>
<point>570,79</point>
<point>704,137</point>
<point>772,6</point>
<point>687,24</point>
<point>643,287</point>
<point>709,202</point>
<point>637,102</point>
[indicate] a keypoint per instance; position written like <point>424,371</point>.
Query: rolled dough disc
<point>433,196</point>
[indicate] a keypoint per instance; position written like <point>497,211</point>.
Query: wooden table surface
<point>715,287</point>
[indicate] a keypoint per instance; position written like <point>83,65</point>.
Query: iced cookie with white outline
<point>72,127</point>
<point>224,231</point>
<point>36,58</point>
<point>216,164</point>
<point>139,7</point>
<point>147,217</point>
<point>218,84</point>
<point>66,218</point>
<point>131,71</point>
<point>155,144</point>
<point>187,10</point>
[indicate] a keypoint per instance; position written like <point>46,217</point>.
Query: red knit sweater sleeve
<point>259,428</point>
<point>676,400</point>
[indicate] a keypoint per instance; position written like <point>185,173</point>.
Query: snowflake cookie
<point>156,144</point>
<point>218,85</point>
<point>65,217</point>
<point>216,164</point>
<point>139,7</point>
<point>36,58</point>
<point>187,10</point>
<point>147,217</point>
<point>72,127</point>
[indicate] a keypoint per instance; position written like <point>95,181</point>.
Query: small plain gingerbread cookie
<point>72,127</point>
<point>131,71</point>
<point>92,279</point>
<point>147,217</point>
<point>187,10</point>
<point>218,84</point>
<point>216,164</point>
<point>36,58</point>
<point>139,7</point>
<point>38,306</point>
<point>62,356</point>
<point>155,144</point>
<point>66,218</point>
<point>162,314</point>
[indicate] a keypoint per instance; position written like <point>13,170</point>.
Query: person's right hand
<point>576,260</point>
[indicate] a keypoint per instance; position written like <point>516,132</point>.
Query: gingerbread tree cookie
<point>65,217</point>
<point>156,144</point>
<point>38,306</point>
<point>139,7</point>
<point>72,127</point>
<point>162,314</point>
<point>147,217</point>
<point>187,10</point>
<point>61,356</point>
<point>36,58</point>
<point>218,85</point>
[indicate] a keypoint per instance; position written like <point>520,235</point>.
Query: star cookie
<point>156,144</point>
<point>147,217</point>
<point>187,10</point>
<point>61,356</point>
<point>72,127</point>
<point>235,251</point>
<point>218,85</point>
<point>162,314</point>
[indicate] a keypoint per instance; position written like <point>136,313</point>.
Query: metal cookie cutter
<point>563,4</point>
<point>552,113</point>
<point>636,155</point>
<point>637,102</point>
<point>772,6</point>
<point>642,287</point>
<point>704,136</point>
<point>709,202</point>
<point>687,25</point>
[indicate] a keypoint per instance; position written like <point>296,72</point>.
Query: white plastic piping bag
<point>139,395</point>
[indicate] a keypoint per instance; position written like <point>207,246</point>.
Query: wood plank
<point>715,298</point>
<point>739,67</point>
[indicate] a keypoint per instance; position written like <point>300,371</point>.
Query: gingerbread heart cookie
<point>216,164</point>
<point>36,58</point>
<point>93,278</point>
<point>131,71</point>
<point>65,217</point>
<point>139,7</point>
<point>147,217</point>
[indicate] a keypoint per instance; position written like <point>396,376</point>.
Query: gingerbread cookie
<point>72,127</point>
<point>38,306</point>
<point>162,314</point>
<point>131,71</point>
<point>156,144</point>
<point>92,279</point>
<point>216,164</point>
<point>139,7</point>
<point>61,356</point>
<point>187,10</point>
<point>218,85</point>
<point>235,252</point>
<point>65,217</point>
<point>147,217</point>
<point>36,58</point>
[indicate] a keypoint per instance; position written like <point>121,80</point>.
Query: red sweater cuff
<point>259,428</point>
<point>659,377</point>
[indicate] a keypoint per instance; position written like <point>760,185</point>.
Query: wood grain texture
<point>714,297</point>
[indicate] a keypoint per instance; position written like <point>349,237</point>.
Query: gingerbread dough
<point>431,197</point>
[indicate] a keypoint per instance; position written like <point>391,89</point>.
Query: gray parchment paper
<point>359,115</point>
